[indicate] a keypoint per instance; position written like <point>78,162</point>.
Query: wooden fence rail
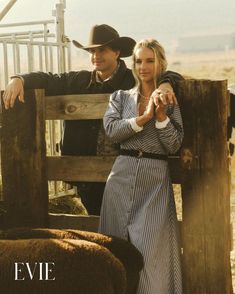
<point>201,168</point>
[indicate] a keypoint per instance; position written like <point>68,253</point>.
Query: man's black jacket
<point>81,136</point>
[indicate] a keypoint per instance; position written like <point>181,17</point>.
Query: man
<point>110,73</point>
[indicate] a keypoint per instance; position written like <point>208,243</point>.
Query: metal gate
<point>36,46</point>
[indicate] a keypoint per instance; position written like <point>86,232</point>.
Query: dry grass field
<point>209,65</point>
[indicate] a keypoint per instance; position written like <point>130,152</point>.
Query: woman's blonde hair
<point>159,54</point>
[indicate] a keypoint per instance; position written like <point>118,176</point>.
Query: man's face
<point>104,58</point>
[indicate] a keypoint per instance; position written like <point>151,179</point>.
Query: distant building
<point>206,43</point>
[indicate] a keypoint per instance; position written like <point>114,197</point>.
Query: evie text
<point>38,270</point>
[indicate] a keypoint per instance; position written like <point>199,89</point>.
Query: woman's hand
<point>147,115</point>
<point>149,112</point>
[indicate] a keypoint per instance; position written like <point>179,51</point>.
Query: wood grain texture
<point>92,168</point>
<point>205,188</point>
<point>23,152</point>
<point>72,107</point>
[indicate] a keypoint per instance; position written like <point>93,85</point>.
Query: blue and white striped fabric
<point>138,201</point>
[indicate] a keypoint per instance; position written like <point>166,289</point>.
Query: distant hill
<point>206,43</point>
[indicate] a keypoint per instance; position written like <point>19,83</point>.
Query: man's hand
<point>167,90</point>
<point>13,90</point>
<point>162,97</point>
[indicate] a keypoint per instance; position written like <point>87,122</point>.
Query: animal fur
<point>121,249</point>
<point>80,267</point>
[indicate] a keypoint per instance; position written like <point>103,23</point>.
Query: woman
<point>138,202</point>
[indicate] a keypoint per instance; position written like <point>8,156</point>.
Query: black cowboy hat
<point>104,35</point>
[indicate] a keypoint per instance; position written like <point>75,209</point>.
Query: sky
<point>165,20</point>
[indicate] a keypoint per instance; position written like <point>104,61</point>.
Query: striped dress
<point>138,203</point>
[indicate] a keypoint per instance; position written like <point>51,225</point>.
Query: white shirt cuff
<point>162,124</point>
<point>232,89</point>
<point>134,125</point>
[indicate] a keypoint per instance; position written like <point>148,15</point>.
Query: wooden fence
<point>201,169</point>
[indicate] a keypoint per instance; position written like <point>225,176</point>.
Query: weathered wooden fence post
<point>205,188</point>
<point>23,153</point>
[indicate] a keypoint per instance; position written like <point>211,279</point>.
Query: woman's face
<point>145,64</point>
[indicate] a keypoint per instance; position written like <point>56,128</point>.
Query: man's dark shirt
<point>81,136</point>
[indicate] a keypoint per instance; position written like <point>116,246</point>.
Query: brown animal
<point>79,267</point>
<point>129,256</point>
